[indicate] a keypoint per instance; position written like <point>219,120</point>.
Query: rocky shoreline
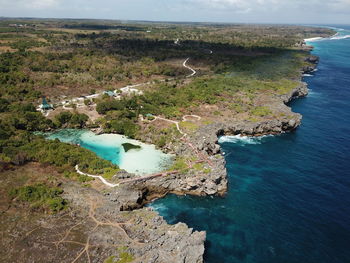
<point>109,215</point>
<point>206,140</point>
<point>137,194</point>
<point>105,223</point>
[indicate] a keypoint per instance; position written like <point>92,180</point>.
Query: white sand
<point>146,160</point>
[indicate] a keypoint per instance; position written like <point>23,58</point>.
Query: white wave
<point>313,39</point>
<point>242,139</point>
<point>307,75</point>
<point>158,207</point>
<point>313,94</point>
<point>337,37</point>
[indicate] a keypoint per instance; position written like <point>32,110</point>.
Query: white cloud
<point>29,4</point>
<point>270,5</point>
<point>42,4</point>
<point>279,11</point>
<point>241,6</point>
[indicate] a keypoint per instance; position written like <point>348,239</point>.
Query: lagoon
<point>142,160</point>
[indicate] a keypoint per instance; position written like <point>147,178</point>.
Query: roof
<point>109,93</point>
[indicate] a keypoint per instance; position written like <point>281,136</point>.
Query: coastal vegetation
<point>61,58</point>
<point>129,146</point>
<point>40,196</point>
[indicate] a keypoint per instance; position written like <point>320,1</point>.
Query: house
<point>45,106</point>
<point>109,93</point>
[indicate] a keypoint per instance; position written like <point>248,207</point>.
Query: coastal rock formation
<point>207,136</point>
<point>147,235</point>
<point>179,241</point>
<point>92,228</point>
<point>313,61</point>
<point>212,178</point>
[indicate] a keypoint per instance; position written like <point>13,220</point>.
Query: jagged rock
<point>153,240</point>
<point>312,59</point>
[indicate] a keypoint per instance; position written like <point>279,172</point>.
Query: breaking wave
<point>337,37</point>
<point>242,140</point>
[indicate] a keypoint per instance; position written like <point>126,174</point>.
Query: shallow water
<point>146,160</point>
<point>289,195</point>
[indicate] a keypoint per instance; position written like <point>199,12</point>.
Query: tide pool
<point>289,195</point>
<point>145,160</point>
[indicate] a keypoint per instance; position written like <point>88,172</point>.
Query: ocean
<point>289,195</point>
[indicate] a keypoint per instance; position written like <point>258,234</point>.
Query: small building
<point>45,106</point>
<point>109,93</point>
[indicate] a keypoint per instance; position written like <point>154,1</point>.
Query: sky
<point>236,11</point>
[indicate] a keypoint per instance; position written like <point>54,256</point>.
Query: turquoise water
<point>146,160</point>
<point>289,195</point>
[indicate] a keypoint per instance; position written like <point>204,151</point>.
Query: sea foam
<point>242,140</point>
<point>337,37</point>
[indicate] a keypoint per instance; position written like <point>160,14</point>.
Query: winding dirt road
<point>188,67</point>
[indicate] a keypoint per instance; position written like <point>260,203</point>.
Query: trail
<point>135,179</point>
<point>185,137</point>
<point>104,181</point>
<point>193,71</point>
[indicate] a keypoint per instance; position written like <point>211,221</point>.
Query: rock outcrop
<point>313,61</point>
<point>144,234</point>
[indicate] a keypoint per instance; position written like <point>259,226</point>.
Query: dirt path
<point>104,181</point>
<point>188,67</point>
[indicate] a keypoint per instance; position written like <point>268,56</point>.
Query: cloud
<point>275,5</point>
<point>29,4</point>
<point>41,4</point>
<point>255,11</point>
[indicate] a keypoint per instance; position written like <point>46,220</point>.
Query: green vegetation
<point>179,164</point>
<point>123,257</point>
<point>161,137</point>
<point>110,259</point>
<point>261,111</point>
<point>71,120</point>
<point>69,58</point>
<point>40,196</point>
<point>189,126</point>
<point>129,146</point>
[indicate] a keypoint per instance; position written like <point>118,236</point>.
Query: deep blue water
<point>289,195</point>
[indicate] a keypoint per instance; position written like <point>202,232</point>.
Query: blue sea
<point>289,195</point>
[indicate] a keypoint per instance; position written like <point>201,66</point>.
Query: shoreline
<point>135,195</point>
<point>207,140</point>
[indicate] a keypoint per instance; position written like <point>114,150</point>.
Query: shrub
<point>63,117</point>
<point>261,111</point>
<point>40,196</point>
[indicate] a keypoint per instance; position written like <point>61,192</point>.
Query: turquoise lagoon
<point>146,160</point>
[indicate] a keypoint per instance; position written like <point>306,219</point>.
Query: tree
<point>79,120</point>
<point>64,117</point>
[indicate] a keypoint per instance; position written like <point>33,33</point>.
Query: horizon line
<point>168,21</point>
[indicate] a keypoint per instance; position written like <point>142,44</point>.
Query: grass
<point>179,164</point>
<point>124,257</point>
<point>261,111</point>
<point>189,126</point>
